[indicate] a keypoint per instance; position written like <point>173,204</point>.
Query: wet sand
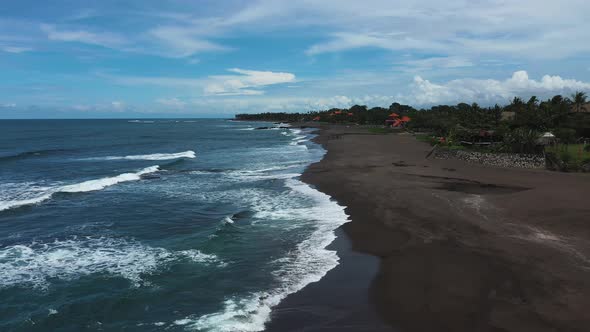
<point>442,245</point>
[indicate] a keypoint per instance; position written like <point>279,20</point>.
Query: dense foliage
<point>566,117</point>
<point>516,127</point>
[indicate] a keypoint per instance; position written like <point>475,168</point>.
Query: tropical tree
<point>521,140</point>
<point>579,99</point>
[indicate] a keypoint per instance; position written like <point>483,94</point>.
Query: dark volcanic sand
<point>460,247</point>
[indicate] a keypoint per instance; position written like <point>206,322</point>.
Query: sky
<point>182,58</point>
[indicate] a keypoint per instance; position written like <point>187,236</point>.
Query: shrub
<point>521,140</point>
<point>569,161</point>
<point>565,135</point>
<point>565,156</point>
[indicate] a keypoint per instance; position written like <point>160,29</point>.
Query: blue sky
<point>78,59</point>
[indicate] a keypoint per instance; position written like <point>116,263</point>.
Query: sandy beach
<point>443,245</point>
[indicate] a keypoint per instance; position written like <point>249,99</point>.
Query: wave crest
<point>155,156</point>
<point>307,264</point>
<point>29,196</point>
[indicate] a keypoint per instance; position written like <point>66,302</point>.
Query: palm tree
<point>579,99</point>
<point>533,102</point>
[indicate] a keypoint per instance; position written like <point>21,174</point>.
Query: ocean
<point>156,225</point>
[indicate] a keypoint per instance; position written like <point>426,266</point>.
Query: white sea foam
<point>154,156</point>
<point>93,185</point>
<point>246,176</point>
<point>35,264</point>
<point>13,203</point>
<point>199,257</point>
<point>298,138</point>
<point>227,220</point>
<point>29,194</point>
<point>308,263</point>
<point>141,121</point>
<point>268,173</point>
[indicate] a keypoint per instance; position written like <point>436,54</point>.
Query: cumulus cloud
<point>105,39</point>
<point>425,92</point>
<point>255,104</point>
<point>249,82</point>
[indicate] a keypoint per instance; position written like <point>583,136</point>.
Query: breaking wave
<point>36,264</point>
<point>16,195</point>
<point>154,156</point>
<point>307,264</point>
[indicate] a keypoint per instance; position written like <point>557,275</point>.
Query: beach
<point>444,245</point>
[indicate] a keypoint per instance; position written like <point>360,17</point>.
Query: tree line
<point>567,117</point>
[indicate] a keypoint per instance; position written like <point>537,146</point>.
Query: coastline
<point>459,247</point>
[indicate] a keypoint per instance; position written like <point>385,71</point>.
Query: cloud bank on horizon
<point>215,58</point>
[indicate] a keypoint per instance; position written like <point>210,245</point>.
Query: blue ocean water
<point>153,225</point>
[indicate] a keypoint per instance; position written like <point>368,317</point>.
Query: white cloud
<point>15,49</point>
<point>177,41</point>
<point>256,104</point>
<point>8,105</point>
<point>249,82</point>
<point>425,92</point>
<point>163,81</point>
<point>171,102</point>
<point>82,108</point>
<point>527,28</point>
<point>105,39</point>
<point>118,105</point>
<point>434,63</point>
<point>246,83</point>
<point>390,41</point>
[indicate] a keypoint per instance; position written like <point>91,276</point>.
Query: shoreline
<point>459,247</point>
<point>331,303</point>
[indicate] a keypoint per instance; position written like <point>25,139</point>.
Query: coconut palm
<point>579,99</point>
<point>533,102</point>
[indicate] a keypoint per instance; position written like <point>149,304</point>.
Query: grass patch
<point>380,130</point>
<point>574,152</point>
<point>424,138</point>
<point>457,147</point>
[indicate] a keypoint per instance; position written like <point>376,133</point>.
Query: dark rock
<point>494,159</point>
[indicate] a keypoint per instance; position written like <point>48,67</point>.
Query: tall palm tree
<point>533,101</point>
<point>579,99</point>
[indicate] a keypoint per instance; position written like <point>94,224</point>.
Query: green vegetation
<point>380,130</point>
<point>516,127</point>
<point>424,138</point>
<point>570,157</point>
